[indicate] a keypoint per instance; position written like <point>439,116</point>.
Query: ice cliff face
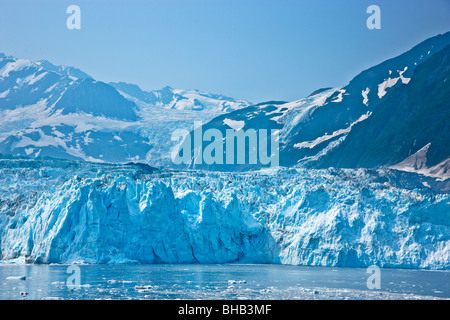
<point>55,211</point>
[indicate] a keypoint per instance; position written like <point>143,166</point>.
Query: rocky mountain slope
<point>385,115</point>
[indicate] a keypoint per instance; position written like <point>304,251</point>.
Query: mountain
<point>170,98</point>
<point>320,209</point>
<point>60,211</point>
<point>413,120</point>
<point>62,112</point>
<point>384,115</point>
<point>25,83</point>
<point>394,115</point>
<point>64,70</point>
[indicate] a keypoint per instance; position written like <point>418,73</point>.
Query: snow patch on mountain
<point>294,113</point>
<point>14,66</point>
<point>326,137</point>
<point>32,79</point>
<point>365,94</point>
<point>4,94</point>
<point>233,124</point>
<point>340,97</point>
<point>390,82</point>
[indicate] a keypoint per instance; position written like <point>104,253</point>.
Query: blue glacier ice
<point>60,211</point>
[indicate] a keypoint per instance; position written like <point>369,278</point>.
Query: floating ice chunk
<point>146,288</point>
<point>16,278</point>
<point>112,281</point>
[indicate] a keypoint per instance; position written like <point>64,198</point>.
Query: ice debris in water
<point>16,278</point>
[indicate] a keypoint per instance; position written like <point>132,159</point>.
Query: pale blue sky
<point>251,49</point>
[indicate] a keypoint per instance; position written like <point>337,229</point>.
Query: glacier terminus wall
<point>60,211</point>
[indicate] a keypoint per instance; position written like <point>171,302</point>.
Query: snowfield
<point>57,211</point>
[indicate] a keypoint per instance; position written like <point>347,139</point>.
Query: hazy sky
<point>251,49</point>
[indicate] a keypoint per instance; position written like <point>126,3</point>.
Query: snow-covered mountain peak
<point>179,99</point>
<point>60,111</point>
<point>63,70</point>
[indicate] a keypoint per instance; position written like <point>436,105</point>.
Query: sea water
<point>230,281</point>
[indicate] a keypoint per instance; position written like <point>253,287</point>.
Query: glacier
<point>62,211</point>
